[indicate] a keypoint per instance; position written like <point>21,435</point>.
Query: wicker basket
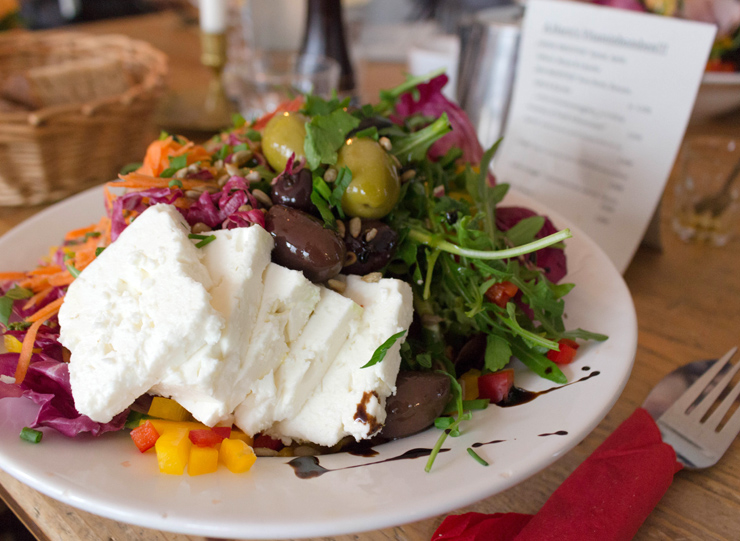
<point>51,152</point>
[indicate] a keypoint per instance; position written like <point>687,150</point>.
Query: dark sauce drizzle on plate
<point>308,467</point>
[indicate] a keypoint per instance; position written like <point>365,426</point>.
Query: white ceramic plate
<point>109,477</point>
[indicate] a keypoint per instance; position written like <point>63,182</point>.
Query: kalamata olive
<point>303,243</point>
<point>283,136</point>
<point>420,398</point>
<point>373,249</point>
<point>471,355</point>
<point>294,190</point>
<point>375,186</point>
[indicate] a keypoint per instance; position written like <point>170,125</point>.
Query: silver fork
<point>697,442</point>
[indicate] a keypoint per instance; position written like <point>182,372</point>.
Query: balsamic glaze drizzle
<point>308,467</point>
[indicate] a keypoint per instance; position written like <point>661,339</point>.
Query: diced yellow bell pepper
<point>173,450</point>
<point>285,451</point>
<point>236,455</point>
<point>239,435</point>
<point>469,383</point>
<point>166,408</point>
<point>202,460</point>
<point>163,426</point>
<point>13,345</point>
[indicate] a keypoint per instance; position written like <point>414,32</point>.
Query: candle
<point>213,16</point>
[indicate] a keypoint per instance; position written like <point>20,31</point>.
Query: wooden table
<point>688,307</point>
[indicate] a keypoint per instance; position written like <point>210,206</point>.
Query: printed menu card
<point>601,102</point>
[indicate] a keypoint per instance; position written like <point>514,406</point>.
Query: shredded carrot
<point>75,233</point>
<point>61,279</point>
<point>12,276</point>
<point>24,359</point>
<point>45,270</point>
<point>156,154</point>
<point>37,298</point>
<point>35,283</point>
<point>46,312</point>
<point>137,180</point>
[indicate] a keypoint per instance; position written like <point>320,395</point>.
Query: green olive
<point>283,136</point>
<point>375,186</point>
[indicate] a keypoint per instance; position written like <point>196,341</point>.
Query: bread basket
<point>83,124</point>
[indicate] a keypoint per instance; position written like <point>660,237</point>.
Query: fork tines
<point>686,421</point>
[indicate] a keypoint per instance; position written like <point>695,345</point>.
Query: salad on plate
<point>318,277</point>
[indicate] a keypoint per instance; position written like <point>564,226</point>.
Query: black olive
<point>420,398</point>
<point>471,355</point>
<point>451,217</point>
<point>373,249</point>
<point>303,243</point>
<point>293,190</point>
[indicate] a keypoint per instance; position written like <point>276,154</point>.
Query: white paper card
<point>601,102</point>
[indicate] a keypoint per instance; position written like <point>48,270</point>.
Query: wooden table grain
<point>687,298</point>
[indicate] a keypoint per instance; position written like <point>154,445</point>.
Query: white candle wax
<point>213,16</point>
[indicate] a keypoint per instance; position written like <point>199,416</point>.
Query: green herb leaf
<point>254,135</point>
<point>129,168</point>
<point>525,230</point>
<point>209,239</point>
<point>414,147</point>
<point>238,120</point>
<point>175,183</point>
<point>19,293</point>
<point>6,308</point>
<point>321,204</point>
<point>19,325</point>
<point>379,354</point>
<point>175,164</point>
<point>584,335</point>
<point>73,270</point>
<point>370,133</point>
<point>222,152</point>
<point>99,251</point>
<point>163,135</point>
<point>498,353</point>
<point>344,178</point>
<point>325,135</point>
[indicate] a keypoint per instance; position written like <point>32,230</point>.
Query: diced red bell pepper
<point>261,440</point>
<point>496,385</point>
<point>223,431</point>
<point>205,438</point>
<point>145,436</point>
<point>565,353</point>
<point>500,293</point>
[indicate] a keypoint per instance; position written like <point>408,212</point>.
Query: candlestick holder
<point>213,55</point>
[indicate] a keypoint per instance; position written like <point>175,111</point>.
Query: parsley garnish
<point>383,348</point>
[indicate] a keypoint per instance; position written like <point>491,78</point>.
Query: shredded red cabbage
<point>431,102</point>
<point>551,260</point>
<point>222,208</point>
<point>47,384</point>
<point>134,201</point>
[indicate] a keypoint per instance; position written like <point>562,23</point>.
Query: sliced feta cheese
<point>141,307</point>
<point>288,300</point>
<point>282,392</point>
<point>207,383</point>
<point>350,400</point>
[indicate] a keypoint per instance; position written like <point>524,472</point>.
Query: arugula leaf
<point>537,362</point>
<point>6,308</point>
<point>498,353</point>
<point>383,348</point>
<point>414,147</point>
<point>584,335</point>
<point>525,230</point>
<point>325,134</point>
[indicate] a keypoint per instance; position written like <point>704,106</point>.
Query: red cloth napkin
<point>607,497</point>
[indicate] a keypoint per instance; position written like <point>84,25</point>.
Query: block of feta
<point>288,301</point>
<point>350,400</point>
<point>208,383</point>
<point>284,390</point>
<point>141,307</point>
